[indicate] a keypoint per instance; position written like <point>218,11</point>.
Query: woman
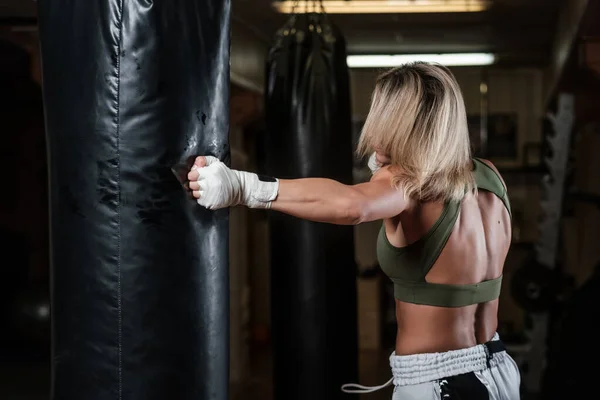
<point>445,235</point>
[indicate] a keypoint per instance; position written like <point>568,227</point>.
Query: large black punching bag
<point>139,270</point>
<point>313,268</point>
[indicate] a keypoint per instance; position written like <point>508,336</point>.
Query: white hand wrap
<point>222,187</point>
<point>373,164</point>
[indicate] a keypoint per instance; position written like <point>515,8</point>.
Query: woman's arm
<point>315,199</point>
<point>326,200</point>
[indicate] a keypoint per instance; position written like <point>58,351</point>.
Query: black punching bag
<point>139,270</point>
<point>313,268</point>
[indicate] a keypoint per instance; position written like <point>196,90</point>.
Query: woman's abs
<point>426,329</point>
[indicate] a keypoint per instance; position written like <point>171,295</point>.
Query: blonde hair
<point>418,119</point>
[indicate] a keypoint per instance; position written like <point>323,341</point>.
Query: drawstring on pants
<point>420,368</point>
<point>356,388</point>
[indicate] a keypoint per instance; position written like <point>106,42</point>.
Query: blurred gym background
<point>532,96</point>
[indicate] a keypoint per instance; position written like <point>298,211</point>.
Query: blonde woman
<point>445,235</point>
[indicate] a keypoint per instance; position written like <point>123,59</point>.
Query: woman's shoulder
<point>487,162</point>
<point>493,168</point>
<point>384,174</point>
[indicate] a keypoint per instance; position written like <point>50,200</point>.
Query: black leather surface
<point>140,272</point>
<point>313,268</point>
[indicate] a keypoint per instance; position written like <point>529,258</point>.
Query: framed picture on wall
<point>502,140</point>
<point>502,136</point>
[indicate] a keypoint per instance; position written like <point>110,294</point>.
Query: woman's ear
<point>382,159</point>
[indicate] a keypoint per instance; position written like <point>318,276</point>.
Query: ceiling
<point>521,32</point>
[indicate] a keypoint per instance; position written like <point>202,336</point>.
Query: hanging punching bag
<point>313,268</point>
<point>139,271</point>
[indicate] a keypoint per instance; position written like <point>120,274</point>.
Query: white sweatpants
<point>473,373</point>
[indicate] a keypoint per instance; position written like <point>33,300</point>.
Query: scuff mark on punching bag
<point>201,117</point>
<point>153,203</point>
<point>106,189</point>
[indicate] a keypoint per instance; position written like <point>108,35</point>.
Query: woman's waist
<point>415,343</point>
<point>417,368</point>
<point>429,329</point>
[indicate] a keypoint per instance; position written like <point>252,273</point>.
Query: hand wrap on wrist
<point>222,187</point>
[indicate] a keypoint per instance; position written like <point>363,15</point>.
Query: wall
<point>26,213</point>
<point>248,52</point>
<point>29,41</point>
<point>513,90</point>
<point>570,17</point>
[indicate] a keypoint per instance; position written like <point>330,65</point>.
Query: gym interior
<point>256,311</point>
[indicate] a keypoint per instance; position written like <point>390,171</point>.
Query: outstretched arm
<point>315,199</point>
<point>326,200</point>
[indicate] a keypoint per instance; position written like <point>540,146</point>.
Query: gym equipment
<point>568,348</point>
<point>313,272</point>
<point>537,289</point>
<point>140,291</point>
<point>553,183</point>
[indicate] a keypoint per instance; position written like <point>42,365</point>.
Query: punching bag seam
<point>119,46</point>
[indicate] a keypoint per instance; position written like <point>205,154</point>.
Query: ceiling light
<point>380,6</point>
<point>450,60</point>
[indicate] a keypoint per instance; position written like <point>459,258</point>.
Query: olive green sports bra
<point>407,266</point>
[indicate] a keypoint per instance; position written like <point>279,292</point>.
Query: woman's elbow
<point>356,211</point>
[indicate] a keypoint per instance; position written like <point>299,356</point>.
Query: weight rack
<point>553,191</point>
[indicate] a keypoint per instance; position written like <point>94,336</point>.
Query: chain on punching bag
<point>313,268</point>
<point>140,272</point>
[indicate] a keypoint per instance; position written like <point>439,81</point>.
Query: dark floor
<point>24,381</point>
<point>30,381</point>
<point>373,368</point>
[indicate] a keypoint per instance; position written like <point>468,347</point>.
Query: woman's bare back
<point>475,251</point>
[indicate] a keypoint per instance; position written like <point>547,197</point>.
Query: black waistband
<point>495,346</point>
<point>492,347</point>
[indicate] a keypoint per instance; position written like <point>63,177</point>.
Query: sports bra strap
<point>488,179</point>
<point>446,295</point>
